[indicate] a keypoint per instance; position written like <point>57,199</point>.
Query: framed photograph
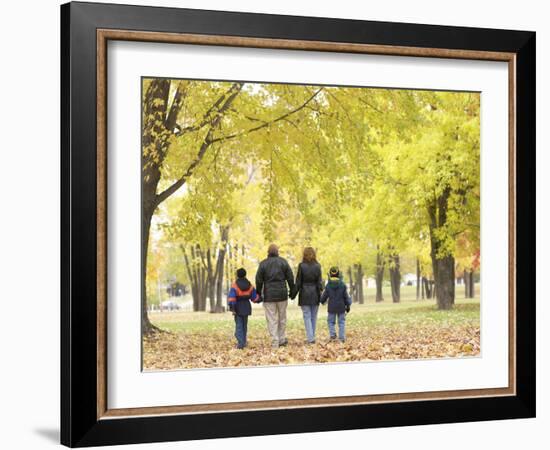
<point>277,224</point>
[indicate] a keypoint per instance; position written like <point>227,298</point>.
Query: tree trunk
<point>219,284</point>
<point>199,280</point>
<point>423,287</point>
<point>359,284</point>
<point>211,281</point>
<point>351,285</point>
<point>228,274</point>
<point>443,266</point>
<point>417,279</point>
<point>158,124</point>
<point>192,275</point>
<point>154,112</point>
<point>203,284</point>
<point>212,294</point>
<point>219,270</point>
<point>146,326</point>
<point>395,278</point>
<point>379,277</point>
<point>427,287</point>
<point>445,282</point>
<point>469,284</point>
<point>236,258</point>
<point>203,288</point>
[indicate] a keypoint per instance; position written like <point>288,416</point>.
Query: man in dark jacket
<point>272,278</point>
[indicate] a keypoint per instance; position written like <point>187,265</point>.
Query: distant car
<point>170,305</point>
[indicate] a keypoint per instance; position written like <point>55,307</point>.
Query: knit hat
<point>334,272</point>
<point>241,273</point>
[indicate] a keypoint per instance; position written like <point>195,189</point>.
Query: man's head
<point>272,250</point>
<point>241,273</point>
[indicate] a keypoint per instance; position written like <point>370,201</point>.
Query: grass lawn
<point>374,331</point>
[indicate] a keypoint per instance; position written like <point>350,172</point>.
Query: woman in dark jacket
<point>309,284</point>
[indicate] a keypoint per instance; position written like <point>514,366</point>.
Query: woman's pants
<point>310,320</point>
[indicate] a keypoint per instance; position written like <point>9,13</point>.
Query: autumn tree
<point>370,177</point>
<point>438,174</point>
<point>183,122</point>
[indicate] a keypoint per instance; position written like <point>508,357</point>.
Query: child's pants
<point>331,319</point>
<point>241,325</point>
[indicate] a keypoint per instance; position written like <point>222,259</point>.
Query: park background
<point>31,408</point>
<point>383,183</point>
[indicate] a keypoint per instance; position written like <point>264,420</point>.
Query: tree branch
<point>271,122</point>
<point>214,110</point>
<point>208,141</point>
<point>229,97</point>
<point>179,96</point>
<point>369,105</point>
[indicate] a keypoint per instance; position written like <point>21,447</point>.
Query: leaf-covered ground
<point>410,330</point>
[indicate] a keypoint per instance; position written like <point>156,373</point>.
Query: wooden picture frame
<point>85,417</point>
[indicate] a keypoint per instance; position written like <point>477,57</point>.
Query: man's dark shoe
<point>283,343</point>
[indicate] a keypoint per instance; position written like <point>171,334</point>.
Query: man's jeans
<point>241,325</point>
<point>341,325</point>
<point>309,312</point>
<point>275,314</point>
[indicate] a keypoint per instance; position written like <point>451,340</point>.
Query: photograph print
<point>307,224</point>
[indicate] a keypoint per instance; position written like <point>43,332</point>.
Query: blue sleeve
<point>324,296</point>
<point>254,295</point>
<point>232,295</point>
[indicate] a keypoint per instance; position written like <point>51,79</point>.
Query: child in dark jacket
<point>239,297</point>
<point>339,303</point>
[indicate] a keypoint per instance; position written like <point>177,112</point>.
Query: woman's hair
<point>309,255</point>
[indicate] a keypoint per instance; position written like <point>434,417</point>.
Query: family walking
<point>275,283</point>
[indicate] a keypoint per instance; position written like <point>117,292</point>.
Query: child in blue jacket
<point>239,297</point>
<point>339,303</point>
